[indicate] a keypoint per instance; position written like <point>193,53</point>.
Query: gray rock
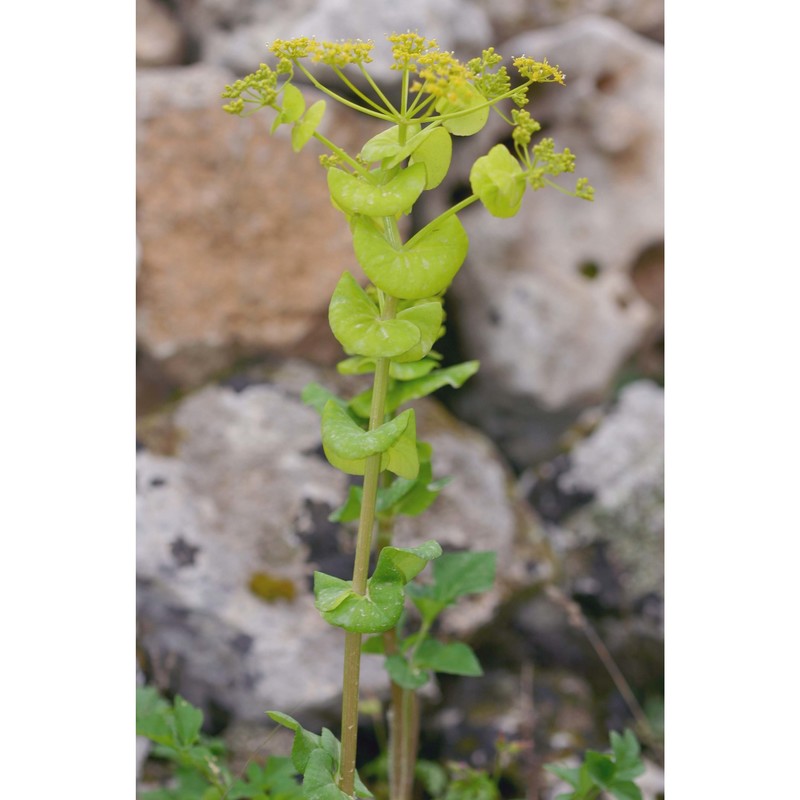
<point>621,464</point>
<point>247,491</point>
<point>547,298</point>
<point>234,35</point>
<point>160,40</point>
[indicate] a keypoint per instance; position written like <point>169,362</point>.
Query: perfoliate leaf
<point>342,436</point>
<point>319,778</point>
<point>387,143</point>
<point>455,658</point>
<point>427,318</point>
<point>356,323</point>
<point>304,129</point>
<point>435,152</point>
<point>355,195</point>
<point>498,180</point>
<point>403,458</point>
<point>373,645</point>
<point>403,674</point>
<point>294,104</point>
<point>464,124</point>
<point>350,509</point>
<point>423,267</point>
<point>406,391</point>
<point>380,608</point>
<point>317,396</point>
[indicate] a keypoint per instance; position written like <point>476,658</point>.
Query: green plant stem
<point>366,523</point>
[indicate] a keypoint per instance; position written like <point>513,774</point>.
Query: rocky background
<point>556,447</point>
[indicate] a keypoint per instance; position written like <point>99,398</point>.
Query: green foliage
<point>611,772</point>
<point>200,769</point>
<point>389,328</point>
<point>317,758</point>
<point>381,607</point>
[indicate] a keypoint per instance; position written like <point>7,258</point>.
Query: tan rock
<point>240,245</point>
<point>160,41</point>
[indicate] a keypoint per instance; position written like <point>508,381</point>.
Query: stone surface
<point>240,487</point>
<point>237,37</point>
<point>240,246</point>
<point>511,16</point>
<point>547,299</point>
<point>160,40</point>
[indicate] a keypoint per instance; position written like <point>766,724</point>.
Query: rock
<point>160,41</point>
<point>643,16</point>
<point>241,489</point>
<point>621,465</point>
<point>239,43</point>
<point>240,246</point>
<point>547,299</point>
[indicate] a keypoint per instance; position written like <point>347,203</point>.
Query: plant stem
<point>366,523</point>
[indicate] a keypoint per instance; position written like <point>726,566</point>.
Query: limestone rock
<point>459,25</point>
<point>240,245</point>
<point>160,40</point>
<point>547,299</point>
<point>241,489</point>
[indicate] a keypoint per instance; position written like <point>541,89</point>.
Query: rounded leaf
<point>355,321</point>
<point>355,195</point>
<point>466,123</point>
<point>423,267</point>
<point>435,152</point>
<point>386,143</point>
<point>344,437</point>
<point>304,129</point>
<point>427,317</point>
<point>498,180</point>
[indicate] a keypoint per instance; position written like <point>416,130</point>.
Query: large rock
<point>160,39</point>
<point>511,16</point>
<point>232,521</point>
<point>240,246</point>
<point>547,299</point>
<point>234,35</point>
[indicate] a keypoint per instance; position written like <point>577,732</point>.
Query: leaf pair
<point>381,607</point>
<point>292,113</point>
<point>356,323</point>
<point>348,446</point>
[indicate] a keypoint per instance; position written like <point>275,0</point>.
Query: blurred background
<point>556,447</point>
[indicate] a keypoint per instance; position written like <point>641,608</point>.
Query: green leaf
<point>305,742</point>
<point>387,143</point>
<point>374,646</point>
<point>626,751</point>
<point>427,318</point>
<point>294,104</point>
<point>319,778</point>
<point>317,396</point>
<point>498,180</point>
<point>351,508</point>
<point>354,195</point>
<point>403,458</point>
<point>432,776</point>
<point>407,391</point>
<point>435,152</point>
<point>188,721</point>
<point>455,658</point>
<point>464,124</point>
<point>304,129</point>
<point>600,767</point>
<point>625,790</point>
<point>570,775</point>
<point>344,437</point>
<point>423,267</point>
<point>401,672</point>
<point>454,575</point>
<point>356,323</point>
<point>380,608</point>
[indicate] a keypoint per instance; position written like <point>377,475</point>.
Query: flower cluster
<point>407,48</point>
<point>443,75</point>
<point>259,88</point>
<point>524,127</point>
<point>490,83</point>
<point>538,71</point>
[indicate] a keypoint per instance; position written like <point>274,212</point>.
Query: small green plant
<point>201,771</point>
<point>600,773</point>
<point>388,329</point>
